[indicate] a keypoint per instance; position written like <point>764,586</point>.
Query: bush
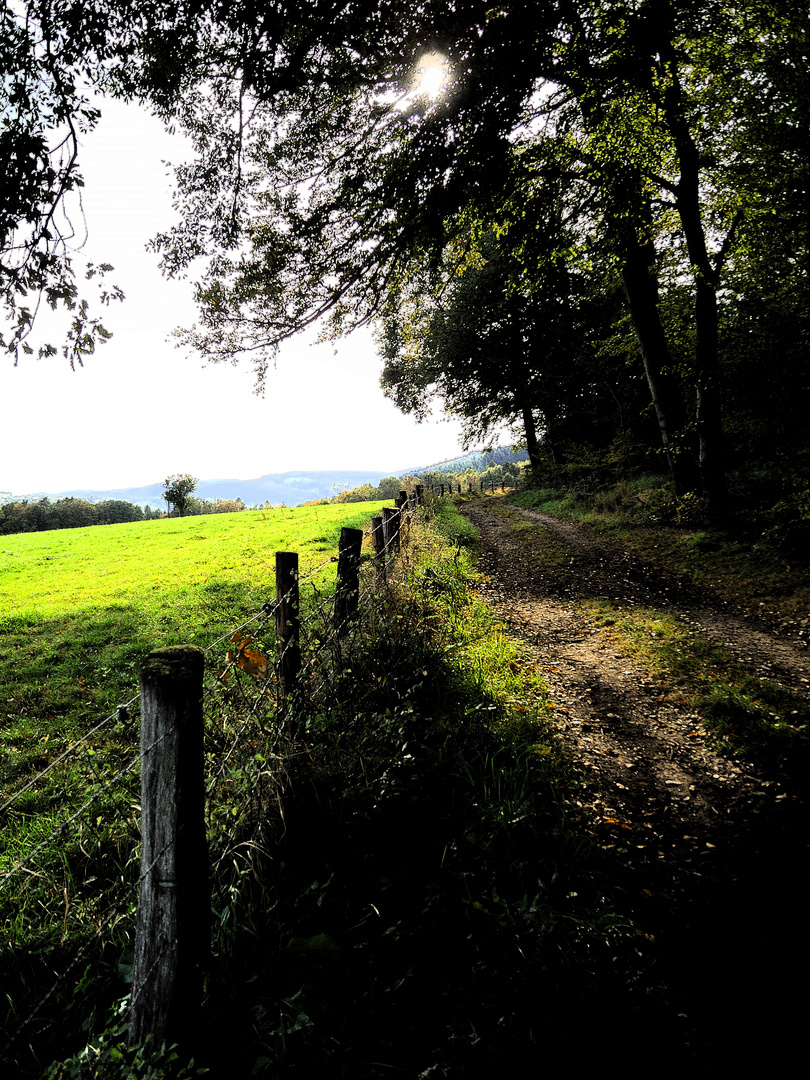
<point>109,1057</point>
<point>788,526</point>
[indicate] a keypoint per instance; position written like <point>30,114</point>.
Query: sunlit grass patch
<point>82,607</point>
<point>742,713</point>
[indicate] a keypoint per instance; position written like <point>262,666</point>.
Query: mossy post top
<point>173,662</point>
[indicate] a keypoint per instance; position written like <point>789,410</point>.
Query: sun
<point>431,73</point>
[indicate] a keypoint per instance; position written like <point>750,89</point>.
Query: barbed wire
<point>246,711</point>
<point>113,915</point>
<point>74,746</point>
<point>61,978</point>
<point>60,829</point>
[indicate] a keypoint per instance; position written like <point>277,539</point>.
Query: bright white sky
<point>141,409</point>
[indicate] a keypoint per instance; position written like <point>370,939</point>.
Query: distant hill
<point>291,488</point>
<point>477,460</point>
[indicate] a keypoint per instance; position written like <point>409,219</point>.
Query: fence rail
<point>152,835</point>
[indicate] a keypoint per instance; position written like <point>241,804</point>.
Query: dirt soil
<point>709,855</point>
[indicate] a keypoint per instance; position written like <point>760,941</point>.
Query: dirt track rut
<point>710,853</point>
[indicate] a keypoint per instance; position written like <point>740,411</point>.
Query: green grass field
<point>80,608</point>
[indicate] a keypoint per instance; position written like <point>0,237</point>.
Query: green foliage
<point>640,170</point>
<point>109,1057</point>
<point>177,490</point>
<point>632,172</point>
<point>364,493</point>
<point>69,513</point>
<point>788,526</point>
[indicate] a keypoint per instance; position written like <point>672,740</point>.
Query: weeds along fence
<point>114,856</point>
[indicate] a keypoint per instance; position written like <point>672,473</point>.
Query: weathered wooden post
<point>390,520</point>
<point>378,541</point>
<point>401,503</point>
<point>287,622</point>
<point>441,493</point>
<point>173,934</point>
<point>412,501</point>
<point>347,588</point>
<point>420,494</point>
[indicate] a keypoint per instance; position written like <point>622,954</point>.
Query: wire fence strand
<point>246,720</point>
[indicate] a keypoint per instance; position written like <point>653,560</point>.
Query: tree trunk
<point>707,367</point>
<point>532,443</point>
<point>641,290</point>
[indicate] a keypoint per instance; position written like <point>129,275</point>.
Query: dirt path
<point>710,855</point>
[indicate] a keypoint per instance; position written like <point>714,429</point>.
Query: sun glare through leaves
<point>432,73</point>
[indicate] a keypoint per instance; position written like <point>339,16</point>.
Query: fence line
<point>265,706</point>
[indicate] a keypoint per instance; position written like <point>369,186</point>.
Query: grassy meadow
<point>79,608</point>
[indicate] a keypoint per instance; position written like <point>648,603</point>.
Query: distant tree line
<point>195,507</point>
<point>476,461</point>
<point>508,473</point>
<point>477,467</point>
<point>72,513</point>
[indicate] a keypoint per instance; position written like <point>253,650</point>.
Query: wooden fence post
<point>378,541</point>
<point>173,934</point>
<point>287,622</point>
<point>390,521</point>
<point>347,588</point>
<point>420,494</point>
<point>401,503</point>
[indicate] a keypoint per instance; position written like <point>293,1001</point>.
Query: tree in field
<point>177,490</point>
